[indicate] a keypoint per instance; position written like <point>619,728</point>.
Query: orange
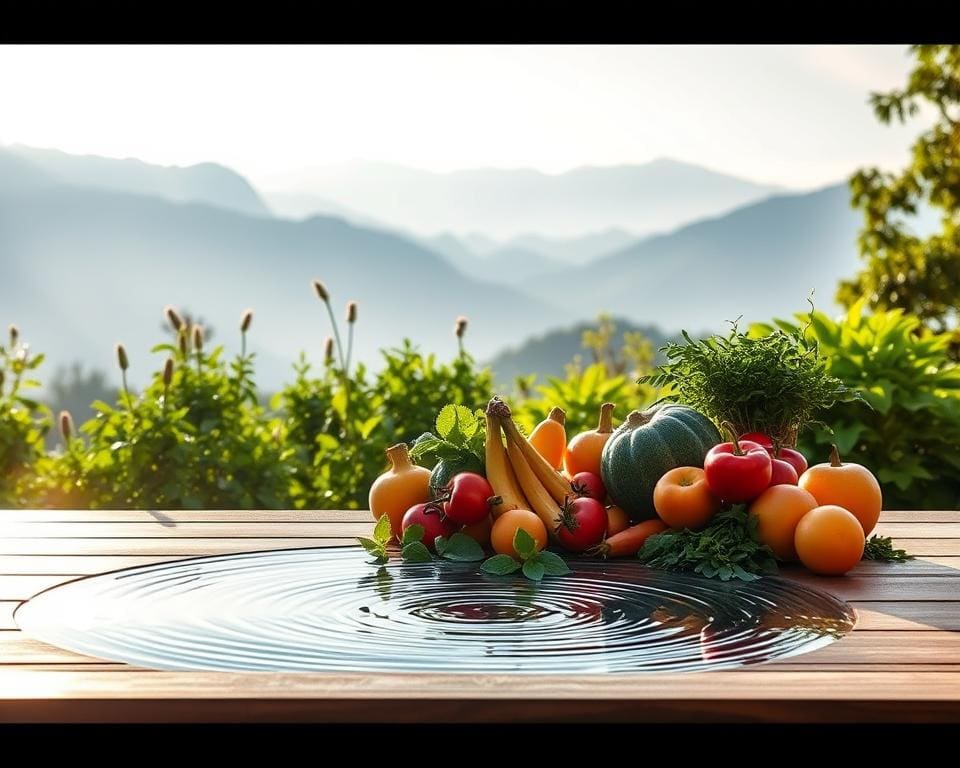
<point>778,510</point>
<point>617,521</point>
<point>683,499</point>
<point>847,485</point>
<point>829,540</point>
<point>505,528</point>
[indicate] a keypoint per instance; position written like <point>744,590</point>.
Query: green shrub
<point>195,438</point>
<point>23,421</point>
<point>908,429</point>
<point>340,425</point>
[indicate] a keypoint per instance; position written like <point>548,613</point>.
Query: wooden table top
<point>901,662</point>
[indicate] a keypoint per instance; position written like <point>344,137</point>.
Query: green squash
<point>648,445</point>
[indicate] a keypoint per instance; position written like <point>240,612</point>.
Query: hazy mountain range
<point>502,204</point>
<point>92,248</point>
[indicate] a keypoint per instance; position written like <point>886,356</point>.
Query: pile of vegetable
<point>707,480</point>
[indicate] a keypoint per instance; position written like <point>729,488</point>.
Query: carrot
<point>628,542</point>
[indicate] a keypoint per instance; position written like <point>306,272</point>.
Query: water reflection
<point>330,610</point>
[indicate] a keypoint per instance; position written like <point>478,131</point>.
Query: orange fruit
<point>829,540</point>
<point>505,528</point>
<point>778,510</point>
<point>847,485</point>
<point>617,520</point>
<point>683,499</point>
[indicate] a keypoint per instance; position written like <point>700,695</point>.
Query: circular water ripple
<point>331,610</point>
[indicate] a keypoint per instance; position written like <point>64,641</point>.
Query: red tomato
<point>583,523</point>
<point>783,473</point>
<point>467,498</point>
<point>797,459</point>
<point>738,471</point>
<point>434,522</point>
<point>590,485</point>
<point>789,455</point>
<point>760,438</point>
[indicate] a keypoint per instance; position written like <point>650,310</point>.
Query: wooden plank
<point>73,565</point>
<point>17,648</point>
<point>907,615</point>
<point>171,548</point>
<point>25,587</point>
<point>818,696</point>
<point>890,588</point>
<point>930,565</point>
<point>7,607</point>
<point>184,516</point>
<point>85,530</point>
<point>920,516</point>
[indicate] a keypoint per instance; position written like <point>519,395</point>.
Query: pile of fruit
<point>664,485</point>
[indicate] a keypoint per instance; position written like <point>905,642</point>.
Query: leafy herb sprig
<point>459,438</point>
<point>377,546</point>
<point>727,548</point>
<point>775,384</point>
<point>458,547</point>
<point>534,565</point>
<point>881,548</point>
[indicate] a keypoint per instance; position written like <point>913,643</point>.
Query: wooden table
<point>902,662</point>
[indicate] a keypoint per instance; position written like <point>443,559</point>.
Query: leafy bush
<point>908,428</point>
<point>340,422</point>
<point>195,438</point>
<point>23,421</point>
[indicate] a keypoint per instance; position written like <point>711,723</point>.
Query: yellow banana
<point>499,472</point>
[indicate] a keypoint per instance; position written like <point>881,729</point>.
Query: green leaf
<point>446,420</point>
<point>412,533</point>
<point>373,547</point>
<point>462,548</point>
<point>553,564</point>
<point>415,552</point>
<point>533,569</point>
<point>500,565</point>
<point>523,544</point>
<point>382,532</point>
<point>440,544</point>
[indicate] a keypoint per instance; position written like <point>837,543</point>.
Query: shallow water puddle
<point>331,610</point>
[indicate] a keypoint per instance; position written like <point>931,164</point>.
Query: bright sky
<point>793,115</point>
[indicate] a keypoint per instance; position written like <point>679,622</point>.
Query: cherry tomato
<point>783,473</point>
<point>434,522</point>
<point>789,455</point>
<point>760,438</point>
<point>467,498</point>
<point>590,485</point>
<point>794,457</point>
<point>583,523</point>
<point>738,471</point>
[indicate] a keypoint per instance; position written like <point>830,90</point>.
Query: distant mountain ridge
<point>207,183</point>
<point>507,203</point>
<point>85,268</point>
<point>758,261</point>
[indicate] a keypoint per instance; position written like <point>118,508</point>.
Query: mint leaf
<point>524,544</point>
<point>462,548</point>
<point>440,544</point>
<point>382,530</point>
<point>446,420</point>
<point>533,569</point>
<point>553,564</point>
<point>415,552</point>
<point>500,565</point>
<point>373,547</point>
<point>412,533</point>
